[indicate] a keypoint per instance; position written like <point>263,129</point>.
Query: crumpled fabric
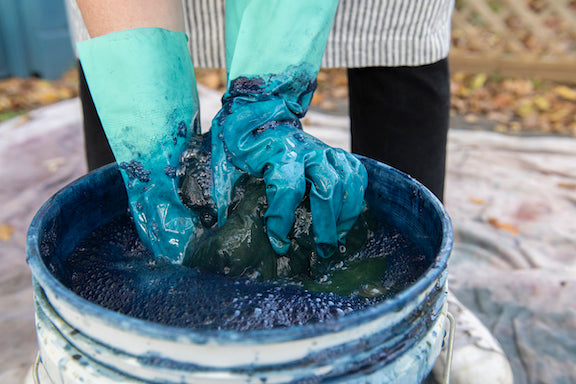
<point>240,247</point>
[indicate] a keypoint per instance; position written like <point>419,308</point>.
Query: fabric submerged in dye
<point>240,247</point>
<point>258,290</point>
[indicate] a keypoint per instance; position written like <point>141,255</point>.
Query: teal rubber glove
<point>274,51</point>
<point>143,86</point>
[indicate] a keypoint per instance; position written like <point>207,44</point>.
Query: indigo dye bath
<point>113,269</point>
<point>231,278</point>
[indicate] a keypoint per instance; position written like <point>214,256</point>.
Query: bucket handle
<point>450,348</point>
<point>35,368</point>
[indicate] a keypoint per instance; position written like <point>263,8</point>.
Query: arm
<point>107,16</point>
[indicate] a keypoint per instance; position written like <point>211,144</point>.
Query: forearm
<point>106,16</point>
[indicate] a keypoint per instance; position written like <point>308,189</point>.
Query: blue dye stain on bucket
<point>394,341</point>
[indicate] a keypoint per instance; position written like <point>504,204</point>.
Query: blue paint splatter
<point>135,170</point>
<point>182,129</point>
<point>171,171</point>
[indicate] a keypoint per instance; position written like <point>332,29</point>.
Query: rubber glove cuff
<point>143,86</point>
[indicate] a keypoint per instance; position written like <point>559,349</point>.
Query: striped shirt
<point>365,33</point>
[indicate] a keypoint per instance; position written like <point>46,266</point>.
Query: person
<point>141,78</point>
<point>385,79</point>
<point>398,75</point>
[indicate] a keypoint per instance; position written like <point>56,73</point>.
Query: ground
<point>479,101</point>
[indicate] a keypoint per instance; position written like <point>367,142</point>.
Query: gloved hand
<point>272,70</point>
<point>143,86</point>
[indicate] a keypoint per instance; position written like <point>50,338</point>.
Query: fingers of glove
<point>325,200</point>
<point>285,188</point>
<point>354,181</point>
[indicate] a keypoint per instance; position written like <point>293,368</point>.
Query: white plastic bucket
<point>396,341</point>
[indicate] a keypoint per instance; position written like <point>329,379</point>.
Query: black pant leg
<point>98,152</point>
<point>400,116</point>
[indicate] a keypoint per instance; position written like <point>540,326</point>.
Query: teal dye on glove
<point>257,131</point>
<point>143,86</point>
<point>274,50</point>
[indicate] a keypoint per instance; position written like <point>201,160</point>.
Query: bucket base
<point>38,374</point>
<point>61,363</point>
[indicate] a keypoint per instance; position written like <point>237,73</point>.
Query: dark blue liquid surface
<point>113,269</point>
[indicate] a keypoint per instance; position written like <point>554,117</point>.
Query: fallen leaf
<point>503,100</point>
<point>567,185</point>
<point>471,118</point>
<point>541,103</point>
<point>565,92</point>
<point>503,226</point>
<point>560,114</point>
<point>54,164</point>
<point>525,109</point>
<point>501,128</point>
<point>479,81</point>
<point>6,232</point>
<point>459,76</point>
<point>317,98</point>
<point>211,80</point>
<point>521,87</point>
<point>515,126</point>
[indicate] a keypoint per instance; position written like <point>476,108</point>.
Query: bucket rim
<point>47,280</point>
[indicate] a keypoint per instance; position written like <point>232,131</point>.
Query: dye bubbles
<point>113,269</point>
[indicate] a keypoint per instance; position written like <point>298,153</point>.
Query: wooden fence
<point>516,37</point>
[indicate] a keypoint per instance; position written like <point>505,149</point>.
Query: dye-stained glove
<point>274,49</point>
<point>143,86</point>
